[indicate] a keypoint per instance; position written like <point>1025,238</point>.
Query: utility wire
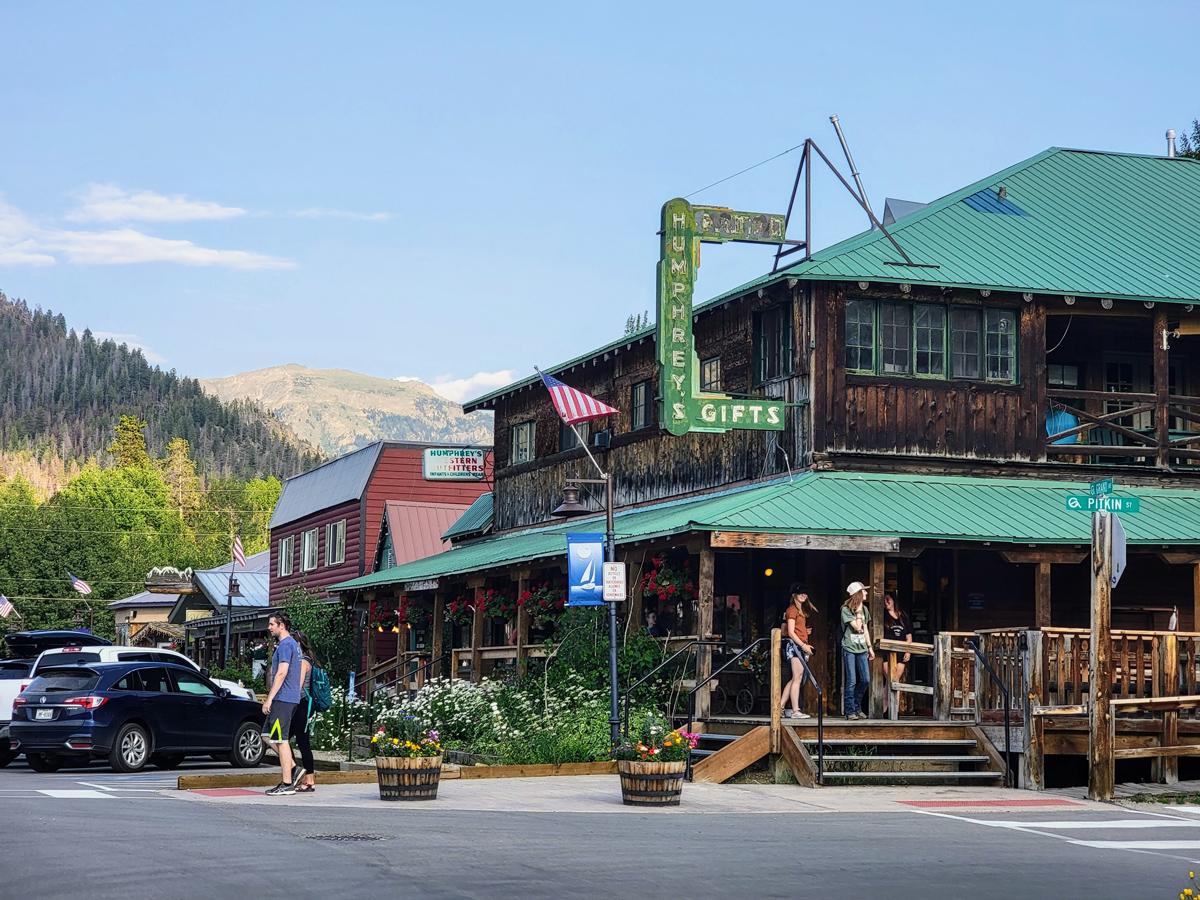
<point>743,171</point>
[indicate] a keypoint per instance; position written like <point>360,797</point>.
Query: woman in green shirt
<point>856,650</point>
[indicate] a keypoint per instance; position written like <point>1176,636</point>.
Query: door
<point>200,725</point>
<point>158,707</point>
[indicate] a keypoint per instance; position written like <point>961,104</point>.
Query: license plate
<point>44,714</point>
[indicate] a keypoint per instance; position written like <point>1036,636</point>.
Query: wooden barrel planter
<point>401,778</point>
<point>650,783</point>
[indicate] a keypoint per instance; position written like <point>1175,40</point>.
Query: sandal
<point>306,789</point>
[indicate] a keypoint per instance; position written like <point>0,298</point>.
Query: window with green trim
<point>860,335</point>
<point>1001,349</point>
<point>773,343</point>
<point>895,338</point>
<point>964,343</point>
<point>710,374</point>
<point>929,339</point>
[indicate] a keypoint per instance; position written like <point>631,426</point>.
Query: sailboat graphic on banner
<point>585,553</point>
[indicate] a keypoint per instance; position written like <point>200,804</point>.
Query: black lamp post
<point>233,591</point>
<point>571,506</point>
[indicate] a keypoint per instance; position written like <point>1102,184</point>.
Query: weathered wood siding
<point>322,576</point>
<point>924,416</point>
<point>649,463</point>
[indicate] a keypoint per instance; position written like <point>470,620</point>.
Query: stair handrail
<point>973,643</point>
<point>812,679</point>
<point>692,696</point>
<point>685,649</point>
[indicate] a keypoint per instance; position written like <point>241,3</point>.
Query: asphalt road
<point>128,837</point>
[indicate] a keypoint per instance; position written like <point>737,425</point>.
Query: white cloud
<point>23,242</point>
<point>133,342</point>
<point>460,389</point>
<point>110,203</point>
<point>318,212</point>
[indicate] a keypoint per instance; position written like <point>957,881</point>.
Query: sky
<point>460,192</point>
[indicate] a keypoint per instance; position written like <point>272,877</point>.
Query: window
<point>895,337</point>
<point>1062,376</point>
<point>191,683</point>
<point>335,543</point>
<point>639,405</point>
<point>566,435</point>
<point>1001,350</point>
<point>308,550</point>
<point>131,682</point>
<point>155,681</point>
<point>929,339</point>
<point>710,375</point>
<point>773,343</point>
<point>287,549</point>
<point>522,443</point>
<point>892,337</point>
<point>860,335</point>
<point>964,343</point>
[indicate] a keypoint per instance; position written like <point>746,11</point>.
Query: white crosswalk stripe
<point>76,795</point>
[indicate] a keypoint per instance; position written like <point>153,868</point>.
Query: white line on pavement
<point>77,795</point>
<point>101,786</point>
<point>1098,823</point>
<point>1139,845</point>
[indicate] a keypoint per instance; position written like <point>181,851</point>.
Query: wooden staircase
<point>875,752</point>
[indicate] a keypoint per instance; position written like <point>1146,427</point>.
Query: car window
<point>155,680</point>
<point>177,658</point>
<point>13,671</point>
<point>191,683</point>
<point>131,682</point>
<point>138,657</point>
<point>64,681</point>
<point>68,658</point>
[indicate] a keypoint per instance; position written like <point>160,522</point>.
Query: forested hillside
<point>61,394</point>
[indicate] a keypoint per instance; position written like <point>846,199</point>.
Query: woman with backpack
<point>301,719</point>
<point>856,650</point>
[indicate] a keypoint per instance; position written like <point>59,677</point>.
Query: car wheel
<point>131,749</point>
<point>43,762</point>
<point>247,746</point>
<point>168,761</point>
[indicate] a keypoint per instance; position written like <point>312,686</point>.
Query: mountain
<point>339,410</point>
<point>62,393</point>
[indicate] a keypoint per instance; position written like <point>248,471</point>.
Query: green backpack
<point>320,691</point>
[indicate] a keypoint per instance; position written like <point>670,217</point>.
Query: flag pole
<point>229,599</point>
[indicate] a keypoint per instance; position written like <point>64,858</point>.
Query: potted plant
<point>408,761</point>
<point>544,605</point>
<point>651,768</point>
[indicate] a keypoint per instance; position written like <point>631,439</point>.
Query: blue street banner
<point>585,570</point>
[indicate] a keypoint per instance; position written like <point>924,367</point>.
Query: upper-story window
<point>287,549</point>
<point>522,443</point>
<point>566,435</point>
<point>710,374</point>
<point>308,550</point>
<point>335,543</point>
<point>773,343</point>
<point>639,406</point>
<point>931,340</point>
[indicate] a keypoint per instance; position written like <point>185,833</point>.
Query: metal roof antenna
<point>862,192</point>
<point>1170,143</point>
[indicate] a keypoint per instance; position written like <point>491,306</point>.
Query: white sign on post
<point>614,582</point>
<point>1118,550</point>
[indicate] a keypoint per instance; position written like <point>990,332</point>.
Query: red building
<point>326,525</point>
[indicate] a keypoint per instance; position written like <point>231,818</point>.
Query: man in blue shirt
<point>281,701</point>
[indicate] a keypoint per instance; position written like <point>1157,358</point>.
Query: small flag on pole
<point>79,584</point>
<point>574,406</point>
<point>239,555</point>
<point>6,607</point>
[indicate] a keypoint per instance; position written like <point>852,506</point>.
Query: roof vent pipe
<point>1170,143</point>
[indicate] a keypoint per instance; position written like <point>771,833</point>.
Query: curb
<point>367,776</point>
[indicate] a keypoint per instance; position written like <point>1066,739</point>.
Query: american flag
<point>79,584</point>
<point>574,406</point>
<point>239,555</point>
<point>6,607</point>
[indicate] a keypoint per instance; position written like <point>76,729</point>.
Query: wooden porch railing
<point>953,677</point>
<point>1172,436</point>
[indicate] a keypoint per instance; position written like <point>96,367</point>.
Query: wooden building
<point>1037,332</point>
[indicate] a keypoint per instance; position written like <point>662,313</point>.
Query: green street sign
<point>1101,487</point>
<point>1084,503</point>
<point>685,407</point>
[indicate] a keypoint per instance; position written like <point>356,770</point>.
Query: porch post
<point>477,632</point>
<point>1041,617</point>
<point>369,662</point>
<point>1032,677</point>
<point>1195,597</point>
<point>522,622</point>
<point>943,690</point>
<point>1165,769</point>
<point>437,627</point>
<point>1162,382</point>
<point>704,629</point>
<point>879,681</point>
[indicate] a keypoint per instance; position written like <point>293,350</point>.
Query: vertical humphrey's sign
<point>683,407</point>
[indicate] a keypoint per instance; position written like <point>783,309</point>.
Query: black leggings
<point>300,733</point>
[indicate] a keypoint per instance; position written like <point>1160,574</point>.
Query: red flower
<point>670,590</point>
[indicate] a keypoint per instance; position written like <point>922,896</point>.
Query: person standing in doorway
<point>796,649</point>
<point>302,720</point>
<point>282,699</point>
<point>897,627</point>
<point>856,650</point>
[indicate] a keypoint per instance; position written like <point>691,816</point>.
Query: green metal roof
<point>1077,222</point>
<point>999,510</point>
<point>476,519</point>
<point>1073,222</point>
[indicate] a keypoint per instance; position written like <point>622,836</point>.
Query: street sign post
<point>1084,503</point>
<point>1101,487</point>
<point>614,582</point>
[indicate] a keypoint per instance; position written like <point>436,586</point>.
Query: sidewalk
<point>602,794</point>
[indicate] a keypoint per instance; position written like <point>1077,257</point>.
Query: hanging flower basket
<point>544,605</point>
<point>497,605</point>
<point>460,611</point>
<point>666,583</point>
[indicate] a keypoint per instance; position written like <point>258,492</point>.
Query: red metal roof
<point>417,528</point>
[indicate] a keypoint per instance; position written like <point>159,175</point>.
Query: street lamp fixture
<point>233,590</point>
<point>571,505</point>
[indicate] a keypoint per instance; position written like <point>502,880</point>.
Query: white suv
<point>72,655</point>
